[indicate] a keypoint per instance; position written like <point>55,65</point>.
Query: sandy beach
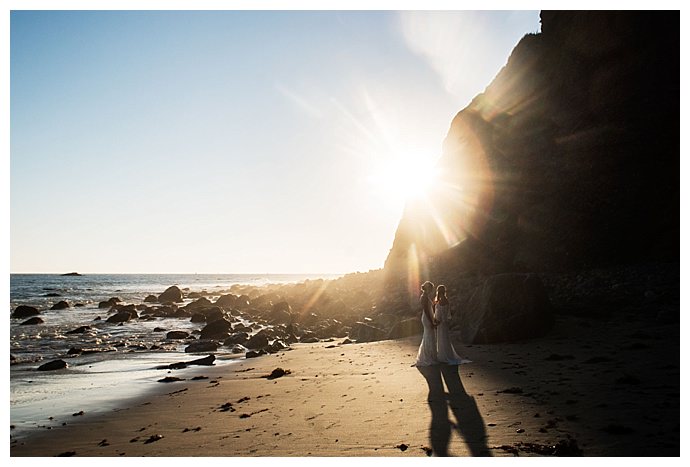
<point>602,393</point>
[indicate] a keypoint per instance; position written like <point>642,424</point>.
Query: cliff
<point>568,160</point>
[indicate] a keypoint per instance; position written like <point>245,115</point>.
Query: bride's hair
<point>427,285</point>
<point>441,295</point>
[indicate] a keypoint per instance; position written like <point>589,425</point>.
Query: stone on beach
<point>53,365</point>
<point>109,303</point>
<point>79,330</point>
<point>177,335</point>
<point>30,321</point>
<point>25,311</point>
<point>218,329</point>
<point>171,294</point>
<point>61,305</point>
<point>202,346</point>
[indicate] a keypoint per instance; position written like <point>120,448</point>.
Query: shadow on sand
<point>468,420</point>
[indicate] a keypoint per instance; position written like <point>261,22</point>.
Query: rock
<point>109,303</point>
<point>506,308</point>
<point>53,365</point>
<point>254,353</point>
<point>207,361</point>
<point>202,302</point>
<point>122,316</point>
<point>201,346</point>
<point>237,338</point>
<point>406,328</point>
<point>159,329</point>
<point>169,379</point>
<point>61,305</point>
<point>52,294</point>
<point>257,341</point>
<point>71,274</point>
<point>277,373</point>
<point>151,299</point>
<point>177,335</point>
<point>24,311</point>
<point>226,301</point>
<point>238,348</point>
<point>363,332</point>
<point>308,339</point>
<point>218,329</point>
<point>79,330</point>
<point>208,314</point>
<point>171,294</point>
<point>34,320</point>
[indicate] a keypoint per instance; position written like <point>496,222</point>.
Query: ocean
<point>125,365</point>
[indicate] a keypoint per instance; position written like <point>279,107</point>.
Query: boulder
<point>24,311</point>
<point>172,294</point>
<point>177,335</point>
<point>34,320</point>
<point>53,365</point>
<point>201,346</point>
<point>226,301</point>
<point>255,353</point>
<point>122,316</point>
<point>363,332</point>
<point>218,329</point>
<point>406,328</point>
<point>203,361</point>
<point>61,305</point>
<point>79,330</point>
<point>151,299</point>
<point>506,308</point>
<point>238,348</point>
<point>207,314</point>
<point>109,303</point>
<point>237,338</point>
<point>202,302</point>
<point>257,341</point>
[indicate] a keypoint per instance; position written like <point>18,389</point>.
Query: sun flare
<point>403,176</point>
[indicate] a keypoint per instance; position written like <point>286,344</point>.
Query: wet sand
<point>583,388</point>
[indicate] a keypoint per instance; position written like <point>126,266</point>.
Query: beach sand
<point>611,387</point>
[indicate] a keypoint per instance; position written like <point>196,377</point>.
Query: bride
<point>427,349</point>
<point>446,352</point>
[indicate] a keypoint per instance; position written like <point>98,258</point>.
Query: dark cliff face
<point>569,159</point>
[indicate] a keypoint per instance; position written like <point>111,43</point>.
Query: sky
<point>232,141</point>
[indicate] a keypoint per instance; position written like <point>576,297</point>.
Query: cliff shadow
<point>468,421</point>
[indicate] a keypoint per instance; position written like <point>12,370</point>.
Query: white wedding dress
<point>427,349</point>
<point>446,352</point>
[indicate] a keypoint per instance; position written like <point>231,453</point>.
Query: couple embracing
<point>436,346</point>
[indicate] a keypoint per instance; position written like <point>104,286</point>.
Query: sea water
<point>125,365</point>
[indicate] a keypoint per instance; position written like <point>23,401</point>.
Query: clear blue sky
<point>232,141</point>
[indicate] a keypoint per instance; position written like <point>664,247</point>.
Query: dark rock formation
<point>71,274</point>
<point>202,346</point>
<point>257,341</point>
<point>53,365</point>
<point>507,307</point>
<point>226,301</point>
<point>177,335</point>
<point>61,305</point>
<point>34,320</point>
<point>109,303</point>
<point>172,294</point>
<point>218,329</point>
<point>24,311</point>
<point>568,160</point>
<point>123,315</point>
<point>237,338</point>
<point>79,330</point>
<point>151,299</point>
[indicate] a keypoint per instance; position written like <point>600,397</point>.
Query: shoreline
<point>580,382</point>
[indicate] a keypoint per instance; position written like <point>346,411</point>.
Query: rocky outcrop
<point>569,159</point>
<point>24,311</point>
<point>61,305</point>
<point>53,365</point>
<point>109,303</point>
<point>172,294</point>
<point>218,329</point>
<point>30,321</point>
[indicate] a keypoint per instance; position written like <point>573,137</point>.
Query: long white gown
<point>446,352</point>
<point>426,355</point>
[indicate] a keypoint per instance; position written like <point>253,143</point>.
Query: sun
<point>403,176</point>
